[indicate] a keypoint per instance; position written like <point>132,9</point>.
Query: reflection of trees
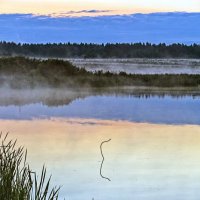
<point>49,97</point>
<point>59,97</point>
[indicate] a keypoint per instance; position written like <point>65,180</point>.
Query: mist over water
<point>136,107</point>
<point>141,65</point>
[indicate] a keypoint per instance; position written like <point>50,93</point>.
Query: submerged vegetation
<point>20,72</point>
<point>118,50</point>
<point>17,181</point>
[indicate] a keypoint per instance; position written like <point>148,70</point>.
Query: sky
<point>100,21</point>
<point>57,7</point>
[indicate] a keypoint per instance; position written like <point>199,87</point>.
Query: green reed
<point>17,180</point>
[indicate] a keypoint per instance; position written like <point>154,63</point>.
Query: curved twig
<point>103,159</point>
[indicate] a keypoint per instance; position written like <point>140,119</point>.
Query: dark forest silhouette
<point>118,50</point>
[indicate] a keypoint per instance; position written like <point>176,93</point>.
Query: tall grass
<point>17,180</point>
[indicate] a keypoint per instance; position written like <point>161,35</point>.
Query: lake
<point>154,152</point>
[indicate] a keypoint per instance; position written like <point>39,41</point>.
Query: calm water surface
<point>154,152</point>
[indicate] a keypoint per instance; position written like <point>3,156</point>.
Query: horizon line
<point>103,43</point>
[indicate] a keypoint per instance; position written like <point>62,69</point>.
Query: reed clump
<point>17,180</point>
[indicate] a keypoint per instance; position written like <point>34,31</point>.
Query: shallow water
<point>154,152</point>
<point>141,65</point>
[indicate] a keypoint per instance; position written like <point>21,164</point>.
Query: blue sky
<point>100,21</point>
<point>155,28</point>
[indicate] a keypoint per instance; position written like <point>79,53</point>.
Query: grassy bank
<point>20,72</point>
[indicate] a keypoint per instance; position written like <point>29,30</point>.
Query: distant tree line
<point>85,50</point>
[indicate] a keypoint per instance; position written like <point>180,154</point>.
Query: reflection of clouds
<point>85,123</point>
<point>79,121</point>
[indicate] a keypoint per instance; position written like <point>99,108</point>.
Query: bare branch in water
<point>103,159</point>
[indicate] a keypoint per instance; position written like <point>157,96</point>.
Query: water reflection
<point>158,158</point>
<point>154,109</point>
<point>144,161</point>
<point>60,96</point>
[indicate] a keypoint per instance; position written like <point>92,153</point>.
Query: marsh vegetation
<point>17,180</point>
<point>20,72</point>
